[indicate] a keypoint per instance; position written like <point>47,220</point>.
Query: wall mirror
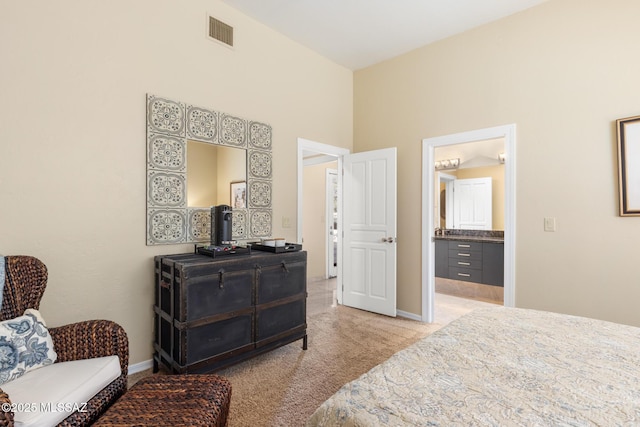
<point>213,172</point>
<point>481,203</point>
<point>198,158</point>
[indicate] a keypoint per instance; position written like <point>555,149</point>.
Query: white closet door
<point>369,270</point>
<point>472,204</point>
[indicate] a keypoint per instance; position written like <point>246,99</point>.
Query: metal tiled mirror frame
<point>170,124</point>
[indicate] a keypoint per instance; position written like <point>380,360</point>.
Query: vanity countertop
<point>482,236</point>
<point>481,239</point>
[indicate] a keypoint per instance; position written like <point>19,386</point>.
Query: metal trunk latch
<point>221,278</point>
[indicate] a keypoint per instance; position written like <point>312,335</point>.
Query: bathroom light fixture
<point>447,164</point>
<point>501,157</point>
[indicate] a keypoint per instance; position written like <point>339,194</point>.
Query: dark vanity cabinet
<point>470,261</point>
<point>442,258</point>
<point>493,264</point>
<point>213,312</point>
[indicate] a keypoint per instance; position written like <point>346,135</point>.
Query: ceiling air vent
<point>220,31</point>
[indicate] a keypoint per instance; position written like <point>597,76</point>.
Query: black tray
<point>288,247</point>
<point>210,251</point>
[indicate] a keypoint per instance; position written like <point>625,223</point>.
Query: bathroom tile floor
<point>470,290</point>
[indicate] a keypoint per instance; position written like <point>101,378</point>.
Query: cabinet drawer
<point>467,246</point>
<point>209,295</point>
<point>281,281</point>
<point>186,345</point>
<point>278,319</point>
<point>465,254</point>
<point>465,274</point>
<point>215,338</point>
<point>471,263</point>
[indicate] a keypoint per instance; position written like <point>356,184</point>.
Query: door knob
<point>388,240</point>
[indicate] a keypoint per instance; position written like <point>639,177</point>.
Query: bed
<point>500,367</point>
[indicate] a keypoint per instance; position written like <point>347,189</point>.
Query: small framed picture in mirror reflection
<point>629,165</point>
<point>238,194</point>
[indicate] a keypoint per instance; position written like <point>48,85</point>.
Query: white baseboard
<point>408,315</point>
<point>139,367</point>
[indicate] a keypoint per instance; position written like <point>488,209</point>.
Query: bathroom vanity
<point>477,258</point>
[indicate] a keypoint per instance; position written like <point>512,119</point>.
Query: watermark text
<point>44,407</point>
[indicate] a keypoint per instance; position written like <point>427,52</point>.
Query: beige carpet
<point>285,386</point>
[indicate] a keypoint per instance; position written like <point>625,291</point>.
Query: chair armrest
<point>89,339</point>
<point>6,417</point>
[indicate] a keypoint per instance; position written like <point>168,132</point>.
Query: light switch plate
<point>549,224</point>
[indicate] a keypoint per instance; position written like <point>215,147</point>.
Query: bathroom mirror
<point>195,158</point>
<point>475,161</point>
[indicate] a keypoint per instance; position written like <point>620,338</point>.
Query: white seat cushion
<point>48,395</point>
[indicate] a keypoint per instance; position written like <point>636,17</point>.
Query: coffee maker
<point>221,225</point>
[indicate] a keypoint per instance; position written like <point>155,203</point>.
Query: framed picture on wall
<point>238,194</point>
<point>629,165</point>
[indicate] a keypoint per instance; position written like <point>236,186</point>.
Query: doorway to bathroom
<point>431,214</point>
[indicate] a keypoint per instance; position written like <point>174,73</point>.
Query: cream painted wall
<point>563,71</point>
<point>73,80</point>
<point>315,228</point>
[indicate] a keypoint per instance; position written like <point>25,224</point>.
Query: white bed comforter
<point>501,367</point>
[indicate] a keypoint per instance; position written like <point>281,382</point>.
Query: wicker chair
<point>26,279</point>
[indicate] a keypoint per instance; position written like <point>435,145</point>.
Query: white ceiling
<point>360,33</point>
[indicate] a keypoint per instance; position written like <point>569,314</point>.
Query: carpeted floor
<point>285,386</point>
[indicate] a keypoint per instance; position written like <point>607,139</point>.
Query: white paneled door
<point>472,204</point>
<point>370,230</point>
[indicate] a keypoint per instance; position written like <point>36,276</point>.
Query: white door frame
<point>448,180</point>
<point>508,132</point>
<point>306,145</point>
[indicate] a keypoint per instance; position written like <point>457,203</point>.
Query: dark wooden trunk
<point>211,313</point>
